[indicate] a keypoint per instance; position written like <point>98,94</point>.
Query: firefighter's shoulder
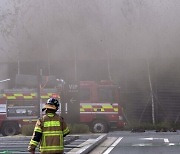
<point>39,121</point>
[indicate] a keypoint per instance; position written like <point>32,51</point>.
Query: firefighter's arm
<point>37,134</point>
<point>65,128</point>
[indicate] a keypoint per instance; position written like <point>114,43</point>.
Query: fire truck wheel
<point>9,129</point>
<point>99,126</point>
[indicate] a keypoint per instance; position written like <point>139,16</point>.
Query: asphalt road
<point>81,144</point>
<point>149,142</point>
<point>118,142</point>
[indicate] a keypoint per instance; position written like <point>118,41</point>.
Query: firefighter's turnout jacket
<point>49,131</point>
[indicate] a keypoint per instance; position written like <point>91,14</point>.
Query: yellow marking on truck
<point>28,97</point>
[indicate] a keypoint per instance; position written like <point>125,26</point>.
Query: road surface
<point>117,142</point>
<point>149,142</point>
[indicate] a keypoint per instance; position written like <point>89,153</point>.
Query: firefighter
<point>49,130</point>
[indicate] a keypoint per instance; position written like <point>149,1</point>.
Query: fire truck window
<point>106,94</point>
<point>2,108</point>
<point>22,109</point>
<point>84,94</point>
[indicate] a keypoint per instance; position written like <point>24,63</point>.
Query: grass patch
<point>78,128</point>
<point>27,130</point>
<point>149,126</point>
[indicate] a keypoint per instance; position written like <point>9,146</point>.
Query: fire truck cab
<point>99,106</point>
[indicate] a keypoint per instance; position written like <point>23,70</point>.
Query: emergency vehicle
<point>91,103</point>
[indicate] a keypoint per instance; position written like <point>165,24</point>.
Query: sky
<point>90,29</point>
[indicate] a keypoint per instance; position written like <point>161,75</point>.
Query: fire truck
<point>88,102</point>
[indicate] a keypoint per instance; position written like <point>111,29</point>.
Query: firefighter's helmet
<point>52,104</point>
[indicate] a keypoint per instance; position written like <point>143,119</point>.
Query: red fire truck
<point>96,105</point>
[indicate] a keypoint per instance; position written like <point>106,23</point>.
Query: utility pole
<point>18,63</point>
<point>108,65</point>
<point>39,90</point>
<point>151,94</point>
<point>75,65</point>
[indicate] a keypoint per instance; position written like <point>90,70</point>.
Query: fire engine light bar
<point>54,95</point>
<point>4,80</point>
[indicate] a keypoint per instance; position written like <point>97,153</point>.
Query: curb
<point>89,145</point>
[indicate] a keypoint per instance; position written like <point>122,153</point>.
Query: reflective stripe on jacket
<point>51,129</point>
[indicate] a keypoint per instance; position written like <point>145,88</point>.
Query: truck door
<point>70,106</point>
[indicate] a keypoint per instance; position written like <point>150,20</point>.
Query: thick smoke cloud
<point>133,42</point>
<point>58,29</point>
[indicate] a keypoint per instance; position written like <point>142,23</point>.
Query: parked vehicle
<point>91,103</point>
